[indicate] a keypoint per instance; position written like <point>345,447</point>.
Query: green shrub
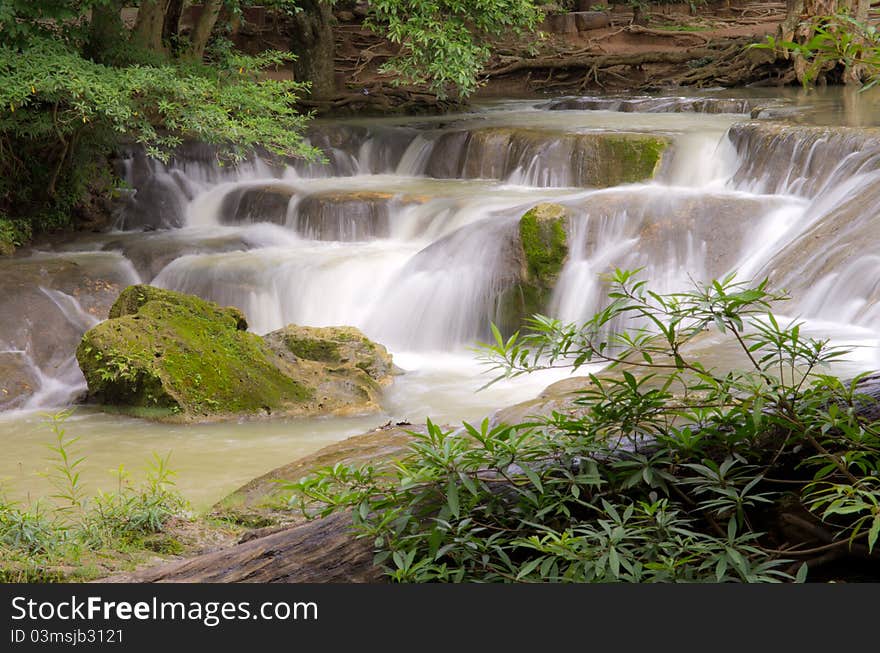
<point>664,469</point>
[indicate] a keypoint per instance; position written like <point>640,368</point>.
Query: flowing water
<point>406,232</point>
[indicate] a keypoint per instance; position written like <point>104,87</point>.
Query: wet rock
<point>588,20</point>
<point>702,232</point>
<point>542,252</point>
<point>150,253</point>
<point>353,149</point>
<point>18,379</point>
<point>48,302</point>
<point>172,356</point>
<point>160,203</point>
<point>249,204</point>
<point>653,105</point>
<point>801,160</point>
<point>550,159</point>
<point>446,156</point>
<point>344,216</point>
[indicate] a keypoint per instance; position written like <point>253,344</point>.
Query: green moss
<point>544,250</point>
<point>345,350</point>
<point>629,158</point>
<point>544,242</point>
<point>182,356</point>
<point>313,349</point>
<point>133,298</point>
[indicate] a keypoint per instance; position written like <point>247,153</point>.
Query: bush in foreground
<point>665,470</point>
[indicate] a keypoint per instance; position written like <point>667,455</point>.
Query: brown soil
<point>671,47</point>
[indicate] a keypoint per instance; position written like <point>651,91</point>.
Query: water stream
<point>405,233</point>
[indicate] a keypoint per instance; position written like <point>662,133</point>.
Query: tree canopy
<point>75,82</point>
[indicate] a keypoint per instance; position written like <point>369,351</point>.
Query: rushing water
<point>405,233</point>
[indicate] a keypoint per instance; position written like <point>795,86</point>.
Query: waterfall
<point>409,231</point>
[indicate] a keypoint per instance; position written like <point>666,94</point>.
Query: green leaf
<point>452,497</point>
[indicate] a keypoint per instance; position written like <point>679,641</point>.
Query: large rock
<point>172,356</point>
<point>547,158</point>
<point>48,301</point>
<point>589,20</point>
<point>264,501</point>
<point>18,379</point>
<point>542,252</point>
<point>249,204</point>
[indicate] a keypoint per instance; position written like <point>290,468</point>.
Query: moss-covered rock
<point>543,250</point>
<point>337,346</point>
<point>174,356</point>
<point>626,158</point>
<point>345,369</point>
<point>591,159</point>
<point>544,243</point>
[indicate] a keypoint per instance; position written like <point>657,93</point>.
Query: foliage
<point>664,470</point>
<point>132,512</point>
<point>13,233</point>
<point>836,40</point>
<point>62,114</point>
<point>444,43</point>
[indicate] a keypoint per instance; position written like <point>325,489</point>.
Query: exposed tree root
<point>721,63</point>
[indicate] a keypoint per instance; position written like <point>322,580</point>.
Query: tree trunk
<point>201,33</point>
<point>150,21</point>
<point>105,30</point>
<point>799,24</point>
<point>171,24</point>
<point>314,48</point>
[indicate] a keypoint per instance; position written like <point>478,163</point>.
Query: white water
<point>431,258</point>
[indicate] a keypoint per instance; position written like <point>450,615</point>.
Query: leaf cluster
<point>664,470</point>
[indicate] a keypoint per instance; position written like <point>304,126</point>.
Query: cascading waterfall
<point>409,231</point>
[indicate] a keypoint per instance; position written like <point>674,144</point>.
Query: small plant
<point>30,530</point>
<point>837,40</point>
<point>131,513</point>
<point>65,475</point>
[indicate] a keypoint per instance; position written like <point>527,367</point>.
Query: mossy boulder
<point>345,369</point>
<point>592,159</point>
<point>173,356</point>
<point>542,253</point>
<point>626,158</point>
<point>338,347</point>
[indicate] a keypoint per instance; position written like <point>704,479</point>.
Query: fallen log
<point>557,62</point>
<point>320,551</point>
